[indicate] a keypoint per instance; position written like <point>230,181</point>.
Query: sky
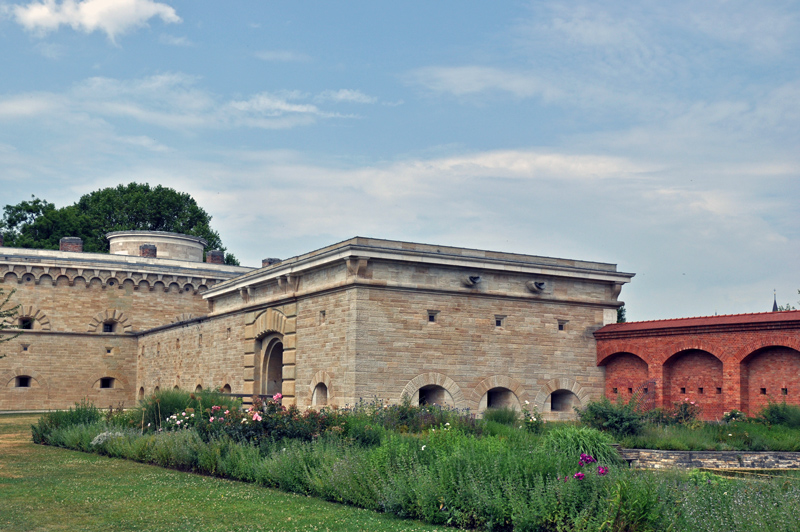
<point>663,137</point>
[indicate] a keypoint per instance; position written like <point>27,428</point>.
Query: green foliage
<point>504,416</point>
<point>780,414</point>
<point>39,224</point>
<point>572,441</point>
<point>621,314</point>
<point>733,415</point>
<point>620,418</point>
<point>84,413</point>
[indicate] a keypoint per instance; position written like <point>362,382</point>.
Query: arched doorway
<point>320,395</point>
<point>272,366</point>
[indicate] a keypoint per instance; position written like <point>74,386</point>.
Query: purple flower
<point>578,476</point>
<point>602,470</point>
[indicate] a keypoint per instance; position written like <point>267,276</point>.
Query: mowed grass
<point>44,488</point>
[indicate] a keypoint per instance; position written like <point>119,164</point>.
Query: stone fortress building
<point>363,318</point>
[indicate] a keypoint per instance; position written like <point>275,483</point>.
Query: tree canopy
<point>133,207</point>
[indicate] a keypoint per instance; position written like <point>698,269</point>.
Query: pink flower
<point>221,419</point>
<point>256,417</point>
<point>602,470</point>
<point>691,402</point>
<point>211,420</point>
<point>578,476</point>
<point>277,396</point>
<point>226,412</point>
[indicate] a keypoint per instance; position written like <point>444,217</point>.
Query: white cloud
<point>464,80</point>
<point>173,40</point>
<point>281,56</point>
<point>114,17</point>
<point>171,101</point>
<point>345,95</point>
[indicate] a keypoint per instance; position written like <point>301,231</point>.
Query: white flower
<point>447,424</point>
<point>423,447</point>
<point>527,402</point>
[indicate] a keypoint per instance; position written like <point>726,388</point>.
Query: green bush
<point>620,418</point>
<point>504,416</point>
<point>84,413</point>
<point>780,414</point>
<point>569,442</point>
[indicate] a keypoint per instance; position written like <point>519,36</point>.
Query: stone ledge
<point>656,459</point>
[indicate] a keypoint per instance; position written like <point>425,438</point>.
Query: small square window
<point>614,390</point>
<point>200,340</point>
<point>26,324</point>
<point>229,333</point>
<point>644,390</point>
<point>107,382</point>
<point>108,327</point>
<point>562,325</point>
<point>25,347</point>
<point>630,390</point>
<point>22,382</point>
<point>683,390</point>
<point>321,317</point>
<point>699,390</point>
<point>763,391</point>
<point>499,321</point>
<point>432,315</point>
<point>784,391</point>
<point>719,390</point>
<point>108,350</point>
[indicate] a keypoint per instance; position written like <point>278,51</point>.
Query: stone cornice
<point>356,254</point>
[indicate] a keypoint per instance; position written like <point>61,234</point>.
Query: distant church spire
<point>774,300</point>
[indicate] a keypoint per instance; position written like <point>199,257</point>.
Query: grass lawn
<point>45,488</point>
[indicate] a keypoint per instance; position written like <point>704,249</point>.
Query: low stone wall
<point>652,459</point>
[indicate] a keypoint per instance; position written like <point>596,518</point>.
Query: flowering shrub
<point>685,412</point>
<point>532,419</point>
<point>733,415</point>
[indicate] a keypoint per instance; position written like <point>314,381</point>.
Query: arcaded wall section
<point>720,363</point>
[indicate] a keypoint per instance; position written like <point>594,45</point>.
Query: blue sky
<point>663,137</point>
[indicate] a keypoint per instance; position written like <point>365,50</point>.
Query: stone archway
<point>435,388</point>
<point>271,374</point>
<point>567,392</point>
<point>264,331</point>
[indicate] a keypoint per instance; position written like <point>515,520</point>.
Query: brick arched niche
<point>626,374</point>
<point>695,375</point>
<point>567,394</point>
<point>770,374</point>
<point>270,339</point>
<point>435,388</point>
<point>321,390</point>
<point>498,391</point>
<point>29,317</point>
<point>110,321</point>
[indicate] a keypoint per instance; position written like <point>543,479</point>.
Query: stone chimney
<point>148,250</point>
<point>215,256</point>
<point>269,262</point>
<point>71,243</point>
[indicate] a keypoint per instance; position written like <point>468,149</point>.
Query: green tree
<point>621,314</point>
<point>133,207</point>
<point>7,315</point>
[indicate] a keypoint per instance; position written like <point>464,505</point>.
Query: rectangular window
<point>719,391</point>
<point>699,390</point>
<point>630,390</point>
<point>499,321</point>
<point>784,391</point>
<point>108,327</point>
<point>26,324</point>
<point>614,390</point>
<point>23,382</point>
<point>432,315</point>
<point>763,391</point>
<point>645,390</point>
<point>321,317</point>
<point>562,325</point>
<point>683,390</point>
<point>107,382</point>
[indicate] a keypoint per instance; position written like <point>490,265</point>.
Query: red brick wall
<point>771,370</point>
<point>695,376</point>
<point>739,354</point>
<point>625,373</point>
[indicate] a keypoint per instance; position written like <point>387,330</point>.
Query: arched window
<point>320,395</point>
<point>198,388</point>
<point>226,388</point>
